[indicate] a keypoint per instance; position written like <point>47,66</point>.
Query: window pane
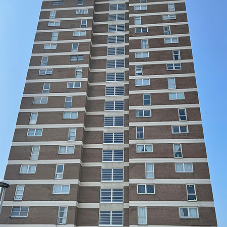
<point>141,188</point>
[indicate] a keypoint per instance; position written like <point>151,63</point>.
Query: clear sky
<point>207,21</point>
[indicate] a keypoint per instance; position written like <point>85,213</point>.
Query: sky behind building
<point>207,22</point>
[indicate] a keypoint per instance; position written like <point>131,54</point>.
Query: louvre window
<point>116,39</point>
<point>111,218</point>
<point>112,175</point>
<point>114,105</point>
<point>114,121</point>
<point>114,91</point>
<point>111,196</point>
<point>116,137</point>
<point>112,77</point>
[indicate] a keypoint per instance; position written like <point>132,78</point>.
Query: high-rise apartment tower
<point>109,131</point>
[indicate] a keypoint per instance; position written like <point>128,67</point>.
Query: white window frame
<point>117,39</point>
<point>184,169</point>
<point>78,72</point>
<point>175,151</point>
<point>66,150</point>
<point>177,94</point>
<point>80,33</point>
<point>46,90</point>
<point>40,101</point>
<point>81,11</point>
<point>138,70</point>
<point>144,113</point>
<point>142,217</point>
<point>50,46</point>
<point>28,169</point>
<point>82,24</point>
<point>137,20</point>
<point>116,28</point>
<point>176,53</point>
<point>19,216</point>
<point>139,137</point>
<point>33,154</point>
<point>54,23</point>
<point>59,175</point>
<point>182,115</point>
<point>176,66</point>
<point>171,7</point>
<point>114,91</point>
<point>64,217</point>
<point>75,49</point>
<point>116,62</point>
<point>70,136</point>
<point>44,61</point>
<point>188,212</point>
<point>142,7</point>
<point>143,83</point>
<point>180,130</point>
<point>171,85</point>
<point>68,101</point>
<point>33,121</point>
<point>145,189</point>
<point>54,36</point>
<point>167,31</point>
<point>61,193</point>
<point>35,133</point>
<point>188,194</point>
<point>144,148</point>
<point>146,45</point>
<point>80,3</point>
<point>52,14</point>
<point>57,3</point>
<point>70,117</point>
<point>149,171</point>
<point>117,17</point>
<point>115,51</point>
<point>141,30</point>
<point>146,99</point>
<point>117,8</point>
<point>73,85</point>
<point>169,17</point>
<point>171,40</point>
<point>143,54</point>
<point>46,72</point>
<point>18,196</point>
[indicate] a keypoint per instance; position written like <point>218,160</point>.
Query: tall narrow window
<point>68,102</point>
<point>54,36</point>
<point>182,114</point>
<point>72,134</point>
<point>144,44</point>
<point>167,30</point>
<point>171,7</point>
<point>19,192</point>
<point>35,153</point>
<point>142,215</point>
<point>83,24</point>
<point>78,73</point>
<point>139,133</point>
<point>139,70</point>
<point>146,99</point>
<point>79,3</point>
<point>44,61</point>
<point>33,118</point>
<point>59,171</point>
<point>137,20</point>
<point>191,192</point>
<point>52,14</point>
<point>75,46</point>
<point>177,150</point>
<point>149,170</point>
<point>176,55</point>
<point>46,88</point>
<point>171,83</point>
<point>62,215</point>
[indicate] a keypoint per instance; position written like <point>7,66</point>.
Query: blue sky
<point>207,21</point>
